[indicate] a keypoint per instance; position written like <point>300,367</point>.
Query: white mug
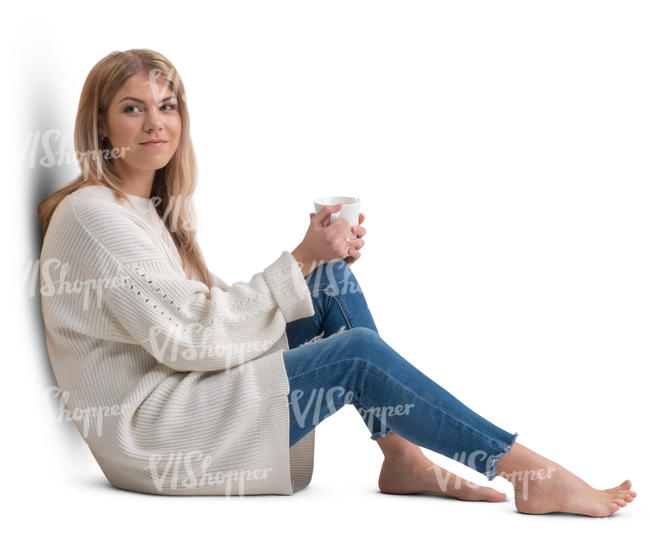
<point>350,208</point>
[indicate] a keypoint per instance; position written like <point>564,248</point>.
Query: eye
<point>126,109</point>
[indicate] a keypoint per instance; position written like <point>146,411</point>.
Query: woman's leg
<point>541,486</point>
<point>339,304</point>
<point>357,365</point>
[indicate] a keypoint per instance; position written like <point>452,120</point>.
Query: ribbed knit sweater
<point>176,387</point>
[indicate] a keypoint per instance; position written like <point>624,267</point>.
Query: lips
<point>154,142</point>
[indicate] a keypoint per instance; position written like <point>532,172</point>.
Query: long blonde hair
<point>176,180</point>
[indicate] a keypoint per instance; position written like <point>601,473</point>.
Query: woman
<point>191,386</point>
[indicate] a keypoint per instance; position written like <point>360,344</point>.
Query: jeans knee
<point>363,334</point>
<point>336,276</point>
<point>366,341</point>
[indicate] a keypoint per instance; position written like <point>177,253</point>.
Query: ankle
<point>522,463</point>
<point>517,458</point>
<point>398,450</point>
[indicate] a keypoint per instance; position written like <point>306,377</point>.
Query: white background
<point>500,150</point>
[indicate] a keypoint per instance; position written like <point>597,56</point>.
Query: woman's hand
<point>325,241</point>
<point>356,244</point>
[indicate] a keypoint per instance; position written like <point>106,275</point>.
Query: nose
<point>153,121</point>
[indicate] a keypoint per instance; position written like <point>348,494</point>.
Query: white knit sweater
<point>177,388</point>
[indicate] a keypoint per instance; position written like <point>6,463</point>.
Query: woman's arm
<point>181,322</point>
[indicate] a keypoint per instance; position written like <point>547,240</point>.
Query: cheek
<point>174,126</point>
<point>125,133</point>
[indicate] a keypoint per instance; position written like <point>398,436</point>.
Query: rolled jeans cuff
<point>493,461</point>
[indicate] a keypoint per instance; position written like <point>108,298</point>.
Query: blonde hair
<point>176,180</point>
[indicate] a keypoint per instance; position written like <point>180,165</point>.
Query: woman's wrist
<point>303,260</point>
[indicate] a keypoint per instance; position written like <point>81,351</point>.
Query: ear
<point>101,130</point>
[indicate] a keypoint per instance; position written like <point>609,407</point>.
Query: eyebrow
<point>142,101</point>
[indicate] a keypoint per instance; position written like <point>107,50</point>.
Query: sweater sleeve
<point>181,322</point>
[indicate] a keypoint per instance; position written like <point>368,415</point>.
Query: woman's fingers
<point>356,244</point>
<point>354,255</point>
<point>360,230</point>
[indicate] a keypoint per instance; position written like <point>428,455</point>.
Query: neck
<point>136,181</point>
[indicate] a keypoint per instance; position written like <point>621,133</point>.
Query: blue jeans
<point>336,357</point>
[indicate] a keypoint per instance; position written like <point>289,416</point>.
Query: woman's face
<point>143,110</point>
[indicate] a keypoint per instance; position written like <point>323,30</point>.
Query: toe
<point>625,494</point>
<point>620,502</point>
<point>621,487</point>
<point>483,493</point>
<point>497,496</point>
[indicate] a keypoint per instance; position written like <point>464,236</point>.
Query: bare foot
<point>545,486</point>
<point>420,475</point>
